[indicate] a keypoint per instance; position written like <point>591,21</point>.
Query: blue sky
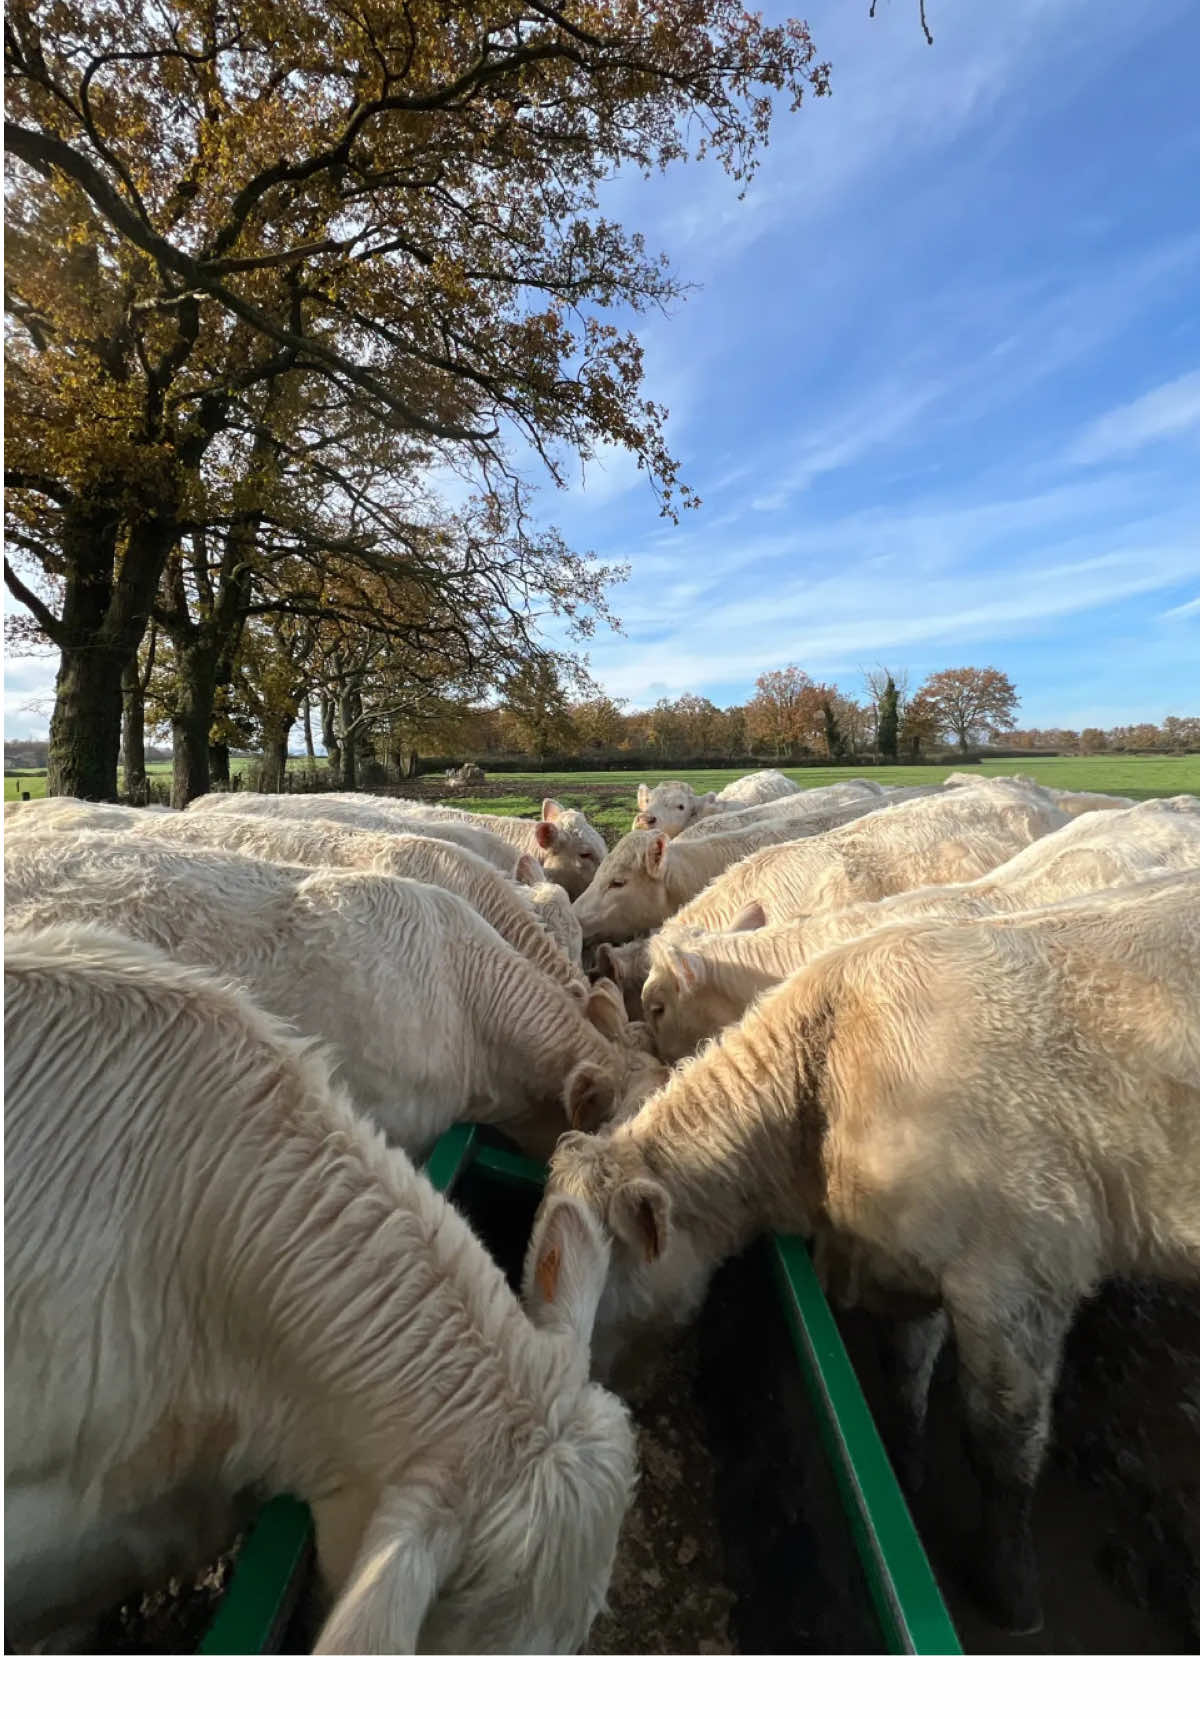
<point>940,388</point>
<point>940,391</point>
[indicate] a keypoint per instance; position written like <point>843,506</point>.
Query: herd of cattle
<point>951,1033</point>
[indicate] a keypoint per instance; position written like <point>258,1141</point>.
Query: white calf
<point>219,1284</point>
<point>987,1118</point>
<point>434,1017</point>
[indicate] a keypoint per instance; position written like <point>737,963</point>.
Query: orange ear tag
<point>546,1275</point>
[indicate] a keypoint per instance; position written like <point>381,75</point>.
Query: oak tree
<point>971,702</point>
<point>786,714</point>
<point>397,204</point>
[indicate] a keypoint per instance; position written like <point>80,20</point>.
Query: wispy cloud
<point>1183,611</point>
<point>844,440</point>
<point>912,580</point>
<point>1162,413</point>
<point>896,105</point>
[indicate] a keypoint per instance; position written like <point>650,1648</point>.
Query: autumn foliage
<point>288,276</point>
<point>971,703</point>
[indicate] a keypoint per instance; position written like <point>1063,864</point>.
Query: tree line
<point>790,719</point>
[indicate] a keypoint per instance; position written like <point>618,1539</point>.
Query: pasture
<point>33,782</point>
<point>608,798</point>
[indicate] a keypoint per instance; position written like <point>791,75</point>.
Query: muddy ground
<point>1117,1513</point>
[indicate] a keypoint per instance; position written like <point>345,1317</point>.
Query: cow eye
<point>616,883</point>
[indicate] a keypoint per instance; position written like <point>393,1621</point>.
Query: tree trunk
<point>275,730</point>
<point>308,733</point>
<point>329,740</point>
<point>349,712</point>
<point>218,765</point>
<point>133,734</point>
<point>105,612</point>
<point>192,720</point>
<point>85,729</point>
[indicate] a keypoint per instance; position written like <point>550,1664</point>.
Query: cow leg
<point>910,1351</point>
<point>1009,1355</point>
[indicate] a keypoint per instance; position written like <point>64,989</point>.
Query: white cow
<point>985,1118</point>
<point>699,981</point>
<point>1073,800</point>
<point>673,806</point>
<point>361,812</point>
<point>563,841</point>
<point>950,838</point>
<point>649,876</point>
<point>62,812</point>
<point>520,915</point>
<point>433,1016</point>
<point>859,794</point>
<point>219,1285</point>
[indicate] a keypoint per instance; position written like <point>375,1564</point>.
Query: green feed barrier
<point>908,1604</point>
<point>267,1579</point>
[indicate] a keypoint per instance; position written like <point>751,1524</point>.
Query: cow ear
<point>752,917</point>
<point>545,834</point>
<point>656,855</point>
<point>552,811</point>
<point>686,966</point>
<point>408,1552</point>
<point>588,1097</point>
<point>566,1264</point>
<point>604,962</point>
<point>527,870</point>
<point>639,1212</point>
<point>605,1009</point>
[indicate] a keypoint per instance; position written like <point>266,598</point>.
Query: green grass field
<point>33,782</point>
<point>609,797</point>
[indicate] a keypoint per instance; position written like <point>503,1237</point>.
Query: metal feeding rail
<point>912,1615</point>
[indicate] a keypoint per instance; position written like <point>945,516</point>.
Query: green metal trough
<point>277,1556</point>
